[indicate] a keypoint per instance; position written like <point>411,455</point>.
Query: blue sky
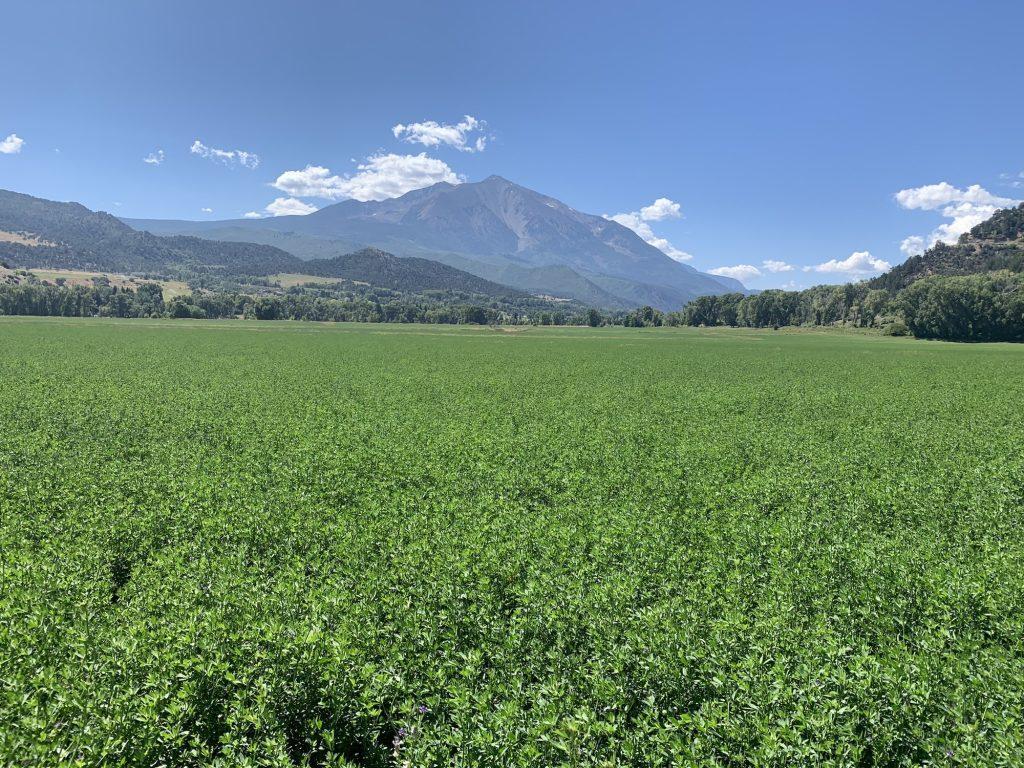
<point>783,131</point>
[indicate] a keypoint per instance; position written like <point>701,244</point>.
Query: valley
<point>511,385</point>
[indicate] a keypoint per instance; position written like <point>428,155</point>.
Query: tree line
<point>983,307</point>
<point>105,300</point>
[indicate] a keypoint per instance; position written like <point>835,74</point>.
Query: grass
<point>171,288</point>
<point>297,544</point>
<point>21,239</point>
<point>290,279</point>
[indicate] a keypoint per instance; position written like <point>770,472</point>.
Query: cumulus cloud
<point>965,209</point>
<point>776,266</point>
<point>379,177</point>
<point>433,134</point>
<point>913,245</point>
<point>225,156</point>
<point>289,206</point>
<point>741,272</point>
<point>154,158</point>
<point>933,196</point>
<point>207,210</point>
<point>857,263</point>
<point>12,144</point>
<point>311,181</point>
<point>252,215</point>
<point>634,222</point>
<point>659,210</point>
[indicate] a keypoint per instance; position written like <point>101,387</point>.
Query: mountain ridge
<point>498,230</point>
<point>71,236</point>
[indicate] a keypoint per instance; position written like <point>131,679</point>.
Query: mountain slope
<point>241,231</point>
<point>381,269</point>
<point>499,230</point>
<point>43,233</point>
<point>72,236</point>
<point>995,244</point>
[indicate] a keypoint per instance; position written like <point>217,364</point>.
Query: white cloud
<point>670,250</point>
<point>379,177</point>
<point>289,206</point>
<point>913,245</point>
<point>741,272</point>
<point>933,196</point>
<point>11,145</point>
<point>857,263</point>
<point>965,209</point>
<point>226,156</point>
<point>154,158</point>
<point>207,210</point>
<point>432,134</point>
<point>776,266</point>
<point>633,221</point>
<point>281,206</point>
<point>660,209</point>
<point>311,181</point>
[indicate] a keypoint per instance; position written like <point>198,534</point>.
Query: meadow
<point>77,277</point>
<point>295,544</point>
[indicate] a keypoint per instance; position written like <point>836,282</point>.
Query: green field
<point>300,544</point>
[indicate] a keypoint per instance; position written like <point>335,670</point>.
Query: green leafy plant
<point>283,544</point>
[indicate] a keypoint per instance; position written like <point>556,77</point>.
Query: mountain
<point>242,231</point>
<point>494,229</point>
<point>69,235</point>
<point>43,233</point>
<point>995,244</point>
<point>373,266</point>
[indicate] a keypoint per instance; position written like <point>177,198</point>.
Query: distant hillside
<point>971,291</point>
<point>73,237</point>
<point>406,274</point>
<point>993,245</point>
<point>58,222</point>
<point>497,230</point>
<point>304,246</point>
<point>44,233</point>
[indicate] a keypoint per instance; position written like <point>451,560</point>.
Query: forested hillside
<point>45,233</point>
<point>991,246</point>
<point>382,269</point>
<point>971,291</point>
<point>70,236</point>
